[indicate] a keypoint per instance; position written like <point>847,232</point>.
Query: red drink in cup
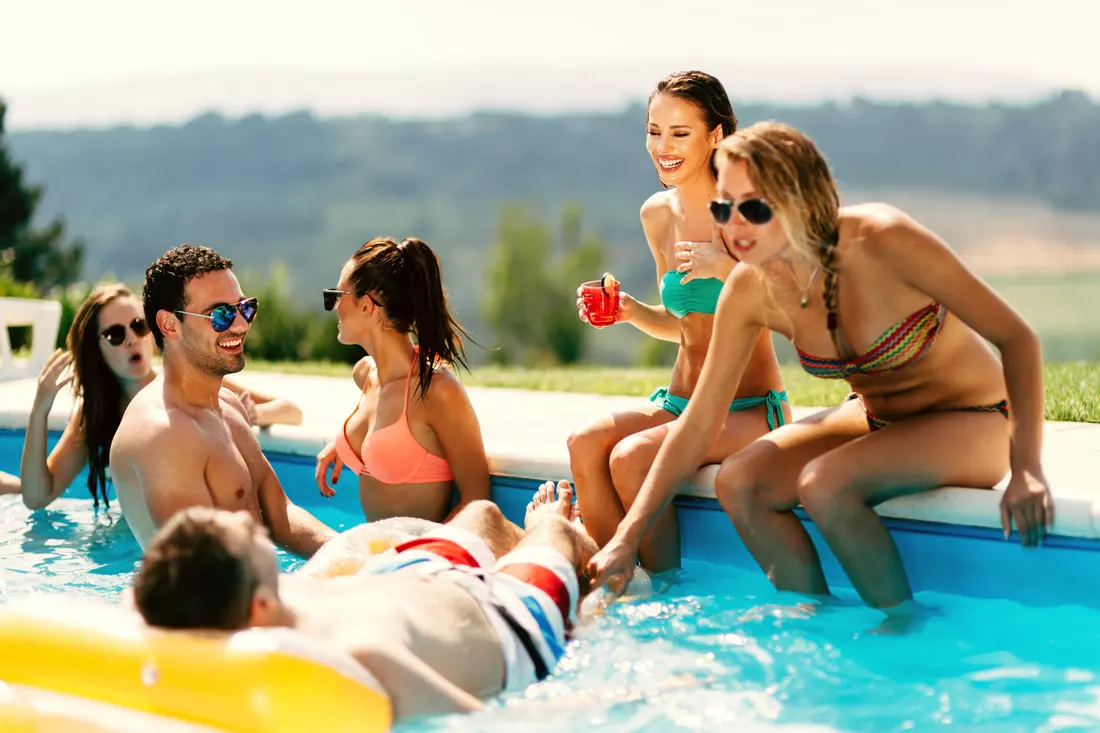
<point>601,300</point>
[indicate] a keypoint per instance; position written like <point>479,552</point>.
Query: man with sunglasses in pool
<point>185,440</point>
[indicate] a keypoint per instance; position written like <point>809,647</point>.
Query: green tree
<point>581,258</point>
<point>532,283</point>
<point>279,330</point>
<point>37,256</point>
<point>287,329</point>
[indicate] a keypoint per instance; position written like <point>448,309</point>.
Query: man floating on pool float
<point>185,440</point>
<point>463,612</point>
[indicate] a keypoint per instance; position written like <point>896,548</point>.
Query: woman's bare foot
<point>544,502</point>
<point>905,618</point>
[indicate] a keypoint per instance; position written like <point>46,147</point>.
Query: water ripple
<point>717,650</point>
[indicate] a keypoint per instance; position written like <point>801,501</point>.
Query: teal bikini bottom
<point>677,405</point>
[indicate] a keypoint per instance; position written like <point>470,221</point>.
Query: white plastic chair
<point>44,318</point>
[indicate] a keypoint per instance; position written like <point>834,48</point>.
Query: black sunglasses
<point>115,335</point>
<point>332,295</point>
<point>755,211</point>
<point>222,316</point>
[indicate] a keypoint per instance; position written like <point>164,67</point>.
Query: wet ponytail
<point>407,281</point>
<point>437,332</point>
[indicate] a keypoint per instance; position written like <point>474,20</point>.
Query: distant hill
<point>308,191</point>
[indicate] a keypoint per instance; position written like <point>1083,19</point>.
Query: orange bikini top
<point>391,454</point>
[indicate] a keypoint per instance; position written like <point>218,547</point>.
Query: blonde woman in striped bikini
<point>896,314</point>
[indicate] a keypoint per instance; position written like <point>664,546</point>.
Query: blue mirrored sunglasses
<point>222,317</point>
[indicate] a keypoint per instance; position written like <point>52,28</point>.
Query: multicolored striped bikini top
<point>900,345</point>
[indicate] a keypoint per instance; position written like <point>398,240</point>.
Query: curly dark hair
<point>167,277</point>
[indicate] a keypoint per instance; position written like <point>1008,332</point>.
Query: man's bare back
<point>366,616</point>
<point>397,614</point>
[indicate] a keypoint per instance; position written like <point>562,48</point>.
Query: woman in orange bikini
<point>413,434</point>
<point>899,317</point>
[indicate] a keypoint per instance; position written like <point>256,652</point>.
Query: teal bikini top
<point>697,296</point>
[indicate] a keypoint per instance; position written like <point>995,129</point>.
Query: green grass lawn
<point>1073,389</point>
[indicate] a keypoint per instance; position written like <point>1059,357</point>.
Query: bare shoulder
<point>746,283</point>
<point>231,400</point>
<point>150,429</point>
<point>145,416</point>
<point>363,372</point>
<point>872,224</point>
<point>446,390</point>
<point>748,295</point>
<point>657,225</point>
<point>885,233</point>
<point>657,209</point>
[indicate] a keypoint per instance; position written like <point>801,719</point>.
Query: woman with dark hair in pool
<point>689,115</point>
<point>413,433</point>
<point>109,358</point>
<point>899,317</point>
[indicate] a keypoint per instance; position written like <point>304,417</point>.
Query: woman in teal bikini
<point>689,114</point>
<point>898,316</point>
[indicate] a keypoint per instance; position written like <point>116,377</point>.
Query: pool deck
<point>525,434</point>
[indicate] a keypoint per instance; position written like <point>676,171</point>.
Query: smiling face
<point>678,140</point>
<point>212,352</point>
<point>751,243</point>
<point>130,360</point>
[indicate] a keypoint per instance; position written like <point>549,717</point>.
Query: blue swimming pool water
<point>721,650</point>
<point>70,546</point>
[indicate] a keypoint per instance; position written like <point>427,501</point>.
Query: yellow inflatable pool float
<point>70,665</point>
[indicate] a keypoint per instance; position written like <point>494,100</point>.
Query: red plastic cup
<point>601,304</point>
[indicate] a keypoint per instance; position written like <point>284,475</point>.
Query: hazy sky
<point>67,62</point>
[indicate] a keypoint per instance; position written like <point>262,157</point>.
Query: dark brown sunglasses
<point>115,335</point>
